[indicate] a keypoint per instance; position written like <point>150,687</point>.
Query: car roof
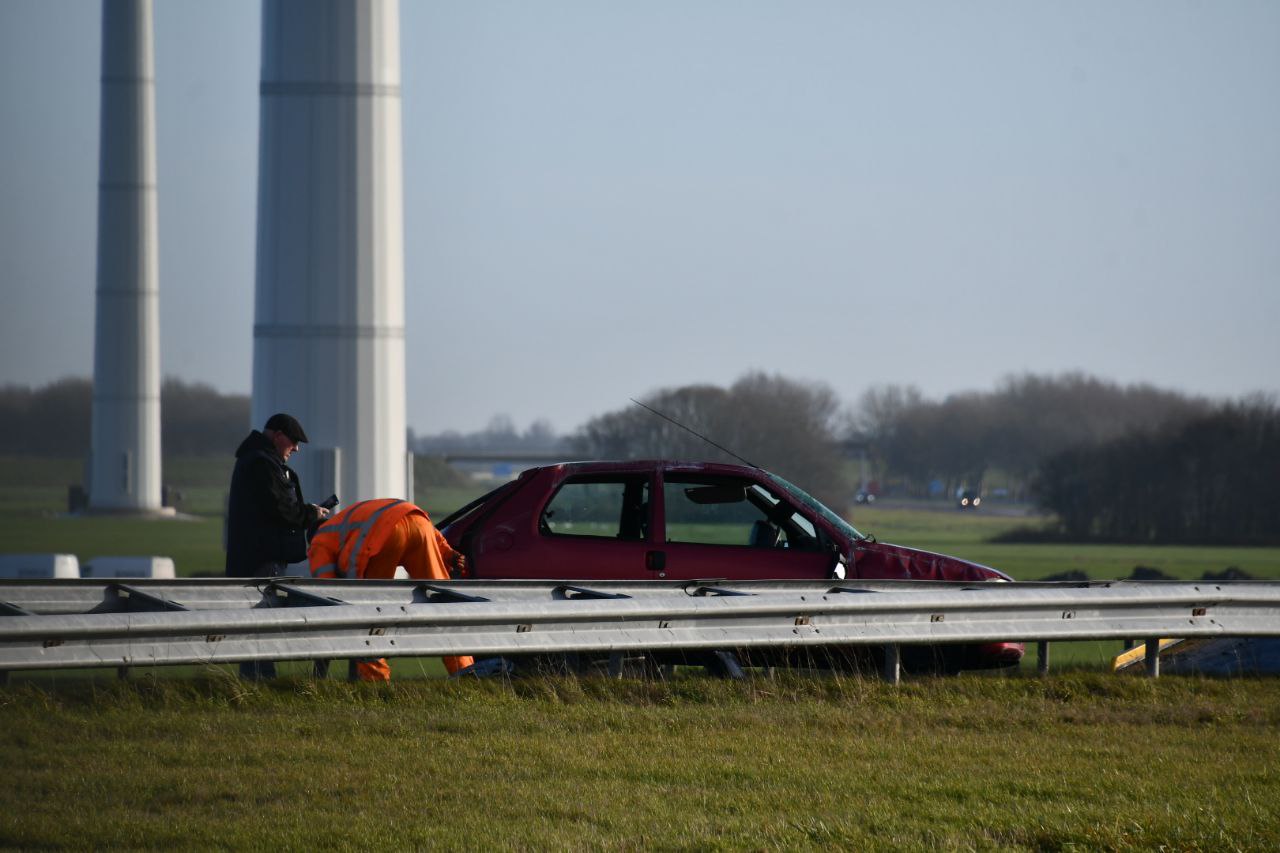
<point>636,465</point>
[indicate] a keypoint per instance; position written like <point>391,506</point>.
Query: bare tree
<point>781,424</point>
<point>1024,421</point>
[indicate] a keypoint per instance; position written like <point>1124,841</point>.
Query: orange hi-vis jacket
<point>369,539</point>
<point>345,544</point>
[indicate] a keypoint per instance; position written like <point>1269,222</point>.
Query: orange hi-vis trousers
<point>415,544</point>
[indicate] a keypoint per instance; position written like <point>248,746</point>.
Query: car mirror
<point>716,494</point>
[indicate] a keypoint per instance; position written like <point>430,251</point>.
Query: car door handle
<point>655,561</point>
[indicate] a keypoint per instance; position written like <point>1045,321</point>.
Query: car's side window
<point>733,512</point>
<point>609,508</point>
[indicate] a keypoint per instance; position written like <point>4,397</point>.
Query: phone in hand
<point>329,502</point>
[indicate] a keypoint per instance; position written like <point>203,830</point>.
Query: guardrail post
<point>892,663</point>
<point>1042,658</point>
<point>1153,658</point>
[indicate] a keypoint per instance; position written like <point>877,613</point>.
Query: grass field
<point>1074,762</point>
<point>967,535</point>
<point>34,519</point>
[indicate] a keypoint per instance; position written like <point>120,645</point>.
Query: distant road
<point>991,508</point>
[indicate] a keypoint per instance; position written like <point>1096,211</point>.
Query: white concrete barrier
<point>303,570</point>
<point>39,566</point>
<point>129,567</point>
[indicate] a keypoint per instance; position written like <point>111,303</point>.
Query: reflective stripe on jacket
<point>342,546</point>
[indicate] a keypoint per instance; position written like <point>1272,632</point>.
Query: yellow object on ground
<point>1136,654</point>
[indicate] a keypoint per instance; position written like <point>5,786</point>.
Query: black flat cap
<point>288,425</point>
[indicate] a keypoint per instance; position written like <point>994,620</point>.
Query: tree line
<point>1211,479</point>
<point>500,434</point>
<point>195,419</point>
<point>910,443</point>
<point>789,427</point>
<point>964,438</point>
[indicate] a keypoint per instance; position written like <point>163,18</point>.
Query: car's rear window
<point>602,507</point>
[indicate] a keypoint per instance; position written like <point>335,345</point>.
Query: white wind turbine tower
<point>328,332</point>
<point>124,463</point>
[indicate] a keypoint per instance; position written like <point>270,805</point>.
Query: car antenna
<point>694,432</point>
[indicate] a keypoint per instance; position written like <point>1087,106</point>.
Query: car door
<point>593,526</point>
<point>717,526</point>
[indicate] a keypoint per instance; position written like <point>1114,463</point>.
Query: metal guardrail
<point>84,623</point>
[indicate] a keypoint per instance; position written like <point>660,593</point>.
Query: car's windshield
<point>484,500</point>
<point>814,504</point>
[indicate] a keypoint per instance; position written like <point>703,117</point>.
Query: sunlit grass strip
<point>966,535</point>
<point>797,761</point>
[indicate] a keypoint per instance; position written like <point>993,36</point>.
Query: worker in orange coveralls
<point>370,539</point>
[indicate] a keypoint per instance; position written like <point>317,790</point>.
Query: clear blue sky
<point>603,198</point>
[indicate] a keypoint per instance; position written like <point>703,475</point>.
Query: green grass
<point>439,501</point>
<point>34,519</point>
<point>966,535</point>
<point>195,543</point>
<point>1072,762</point>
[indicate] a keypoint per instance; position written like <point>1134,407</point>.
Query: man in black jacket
<point>267,519</point>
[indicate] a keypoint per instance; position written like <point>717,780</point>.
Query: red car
<point>649,519</point>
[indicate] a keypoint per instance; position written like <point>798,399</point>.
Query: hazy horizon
<point>602,201</point>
